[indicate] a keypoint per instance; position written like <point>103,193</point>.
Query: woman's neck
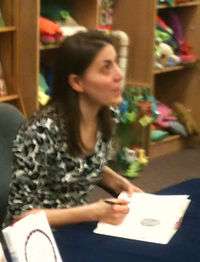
<point>89,110</point>
<point>88,125</point>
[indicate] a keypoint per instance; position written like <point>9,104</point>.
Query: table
<point>78,243</point>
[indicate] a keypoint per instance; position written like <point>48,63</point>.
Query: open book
<point>151,218</point>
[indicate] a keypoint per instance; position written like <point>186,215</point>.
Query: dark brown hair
<point>74,56</point>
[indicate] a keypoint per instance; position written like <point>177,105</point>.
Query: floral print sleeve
<point>45,175</point>
<point>29,166</point>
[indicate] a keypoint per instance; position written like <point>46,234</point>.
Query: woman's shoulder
<point>41,121</point>
<point>40,131</point>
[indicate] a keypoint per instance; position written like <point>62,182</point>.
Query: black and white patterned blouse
<point>45,175</point>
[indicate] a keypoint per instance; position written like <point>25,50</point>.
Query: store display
<point>105,14</point>
<point>2,23</point>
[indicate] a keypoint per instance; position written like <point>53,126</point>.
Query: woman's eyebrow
<point>107,61</point>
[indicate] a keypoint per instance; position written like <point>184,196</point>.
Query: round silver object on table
<point>150,222</point>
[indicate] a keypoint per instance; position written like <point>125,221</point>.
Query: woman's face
<point>101,83</point>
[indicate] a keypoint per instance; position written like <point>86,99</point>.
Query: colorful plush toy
<point>136,112</point>
<point>168,2</point>
<point>167,121</point>
<point>130,162</point>
<point>105,16</point>
<point>43,97</point>
<point>49,31</point>
<point>2,22</point>
<point>186,118</point>
<point>184,49</point>
<point>56,11</point>
<point>165,56</point>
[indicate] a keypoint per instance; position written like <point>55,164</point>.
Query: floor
<point>163,172</point>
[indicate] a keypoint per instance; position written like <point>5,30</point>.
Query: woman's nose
<point>118,73</point>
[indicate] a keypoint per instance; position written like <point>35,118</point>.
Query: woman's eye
<point>107,66</point>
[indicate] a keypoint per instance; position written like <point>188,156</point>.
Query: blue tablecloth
<point>78,243</point>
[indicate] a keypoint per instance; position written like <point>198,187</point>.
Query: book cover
<point>31,239</point>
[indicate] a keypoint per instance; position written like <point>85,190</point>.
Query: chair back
<point>10,120</point>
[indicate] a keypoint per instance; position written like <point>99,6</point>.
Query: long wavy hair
<point>74,56</point>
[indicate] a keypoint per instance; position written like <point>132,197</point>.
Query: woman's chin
<point>117,101</point>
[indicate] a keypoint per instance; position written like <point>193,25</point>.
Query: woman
<point>61,153</point>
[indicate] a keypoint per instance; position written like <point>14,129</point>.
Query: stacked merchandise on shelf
<point>166,123</point>
<point>3,89</point>
<point>133,117</point>
<point>173,121</point>
<point>2,23</point>
<point>55,23</point>
<point>171,47</point>
<point>50,32</point>
<point>43,93</point>
<point>105,14</point>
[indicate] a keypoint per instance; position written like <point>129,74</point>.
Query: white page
<point>151,218</point>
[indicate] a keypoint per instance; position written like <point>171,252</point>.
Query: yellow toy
<point>185,117</point>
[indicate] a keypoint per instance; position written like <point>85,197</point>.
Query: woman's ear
<point>75,82</point>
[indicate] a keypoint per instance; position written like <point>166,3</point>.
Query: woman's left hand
<point>118,183</point>
<point>125,185</point>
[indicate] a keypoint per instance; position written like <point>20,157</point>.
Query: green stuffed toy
<point>130,162</point>
<point>136,112</point>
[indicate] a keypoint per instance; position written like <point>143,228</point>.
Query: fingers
<point>119,207</point>
<point>132,188</point>
<point>137,189</point>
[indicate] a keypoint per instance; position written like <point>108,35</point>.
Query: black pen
<point>112,202</point>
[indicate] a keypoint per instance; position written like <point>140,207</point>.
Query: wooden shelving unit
<point>8,98</point>
<point>18,53</point>
<point>180,83</point>
<point>174,68</point>
<point>48,47</point>
<point>7,29</point>
<point>169,145</point>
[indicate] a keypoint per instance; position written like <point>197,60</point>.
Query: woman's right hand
<point>111,213</point>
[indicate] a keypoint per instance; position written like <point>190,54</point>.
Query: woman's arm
<point>98,211</point>
<point>117,183</point>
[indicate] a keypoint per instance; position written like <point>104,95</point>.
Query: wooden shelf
<point>8,98</point>
<point>166,146</point>
<point>192,3</point>
<point>168,69</point>
<point>173,68</point>
<point>49,47</point>
<point>7,29</point>
<point>19,53</point>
